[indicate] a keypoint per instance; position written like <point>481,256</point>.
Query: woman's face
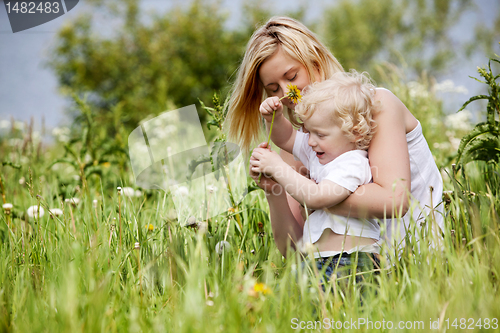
<point>280,70</point>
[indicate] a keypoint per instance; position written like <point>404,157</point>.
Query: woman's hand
<point>269,106</point>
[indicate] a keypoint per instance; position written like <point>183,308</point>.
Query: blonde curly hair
<point>349,98</point>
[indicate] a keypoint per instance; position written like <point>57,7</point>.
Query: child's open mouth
<point>319,154</point>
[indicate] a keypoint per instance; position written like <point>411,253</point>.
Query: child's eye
<point>293,78</point>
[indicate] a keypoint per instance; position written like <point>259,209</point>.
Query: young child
<point>337,115</point>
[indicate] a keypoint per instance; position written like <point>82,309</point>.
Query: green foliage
<point>91,152</point>
<point>361,33</point>
<point>72,273</point>
<point>483,142</point>
<point>57,279</point>
<point>146,67</point>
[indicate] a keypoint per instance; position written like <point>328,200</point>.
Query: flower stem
<point>271,128</point>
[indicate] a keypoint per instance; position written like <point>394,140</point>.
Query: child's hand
<point>267,184</point>
<point>265,161</point>
<point>269,106</point>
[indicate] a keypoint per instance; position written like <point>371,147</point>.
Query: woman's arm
<point>388,195</point>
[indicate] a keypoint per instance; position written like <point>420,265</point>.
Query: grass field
<point>118,263</point>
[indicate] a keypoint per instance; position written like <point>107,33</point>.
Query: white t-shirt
<point>349,170</point>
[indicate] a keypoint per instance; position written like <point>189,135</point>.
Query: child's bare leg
<point>287,229</point>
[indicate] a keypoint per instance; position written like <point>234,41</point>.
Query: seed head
<point>33,212</point>
<point>7,207</point>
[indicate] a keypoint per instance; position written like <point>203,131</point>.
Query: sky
<point>29,89</point>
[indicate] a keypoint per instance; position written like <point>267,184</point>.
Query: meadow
<point>80,255</point>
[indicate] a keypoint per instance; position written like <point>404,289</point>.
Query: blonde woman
<point>406,182</point>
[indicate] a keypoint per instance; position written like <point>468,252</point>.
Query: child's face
<point>280,70</point>
<point>325,137</point>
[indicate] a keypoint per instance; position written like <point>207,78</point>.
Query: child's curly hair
<point>349,97</point>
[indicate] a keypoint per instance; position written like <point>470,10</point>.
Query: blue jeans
<point>344,265</point>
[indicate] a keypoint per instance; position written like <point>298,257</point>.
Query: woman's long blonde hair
<point>298,42</point>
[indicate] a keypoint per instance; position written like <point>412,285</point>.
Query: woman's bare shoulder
<point>390,106</point>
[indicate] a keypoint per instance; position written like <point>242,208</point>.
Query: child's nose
<point>311,142</point>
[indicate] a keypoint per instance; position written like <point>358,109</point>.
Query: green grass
<point>74,273</point>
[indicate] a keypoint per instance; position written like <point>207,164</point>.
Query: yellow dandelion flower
<point>231,210</point>
<point>293,93</point>
<point>262,288</point>
<point>150,227</point>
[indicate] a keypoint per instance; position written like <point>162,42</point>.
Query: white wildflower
<point>417,90</point>
<point>5,124</point>
<point>33,212</point>
<point>87,158</point>
<point>55,212</point>
<point>138,193</point>
<point>455,142</point>
<point>19,125</point>
<point>137,246</point>
<point>7,207</point>
<point>119,189</point>
<point>449,86</point>
<point>94,203</point>
<point>62,134</point>
<point>459,120</point>
<point>73,201</point>
<point>222,246</point>
<point>128,191</point>
<point>182,190</point>
<point>211,188</point>
<point>22,181</point>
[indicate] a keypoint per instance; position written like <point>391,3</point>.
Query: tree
<point>362,33</point>
<point>146,66</point>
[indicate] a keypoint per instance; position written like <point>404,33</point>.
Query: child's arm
<point>283,134</point>
<point>307,192</point>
